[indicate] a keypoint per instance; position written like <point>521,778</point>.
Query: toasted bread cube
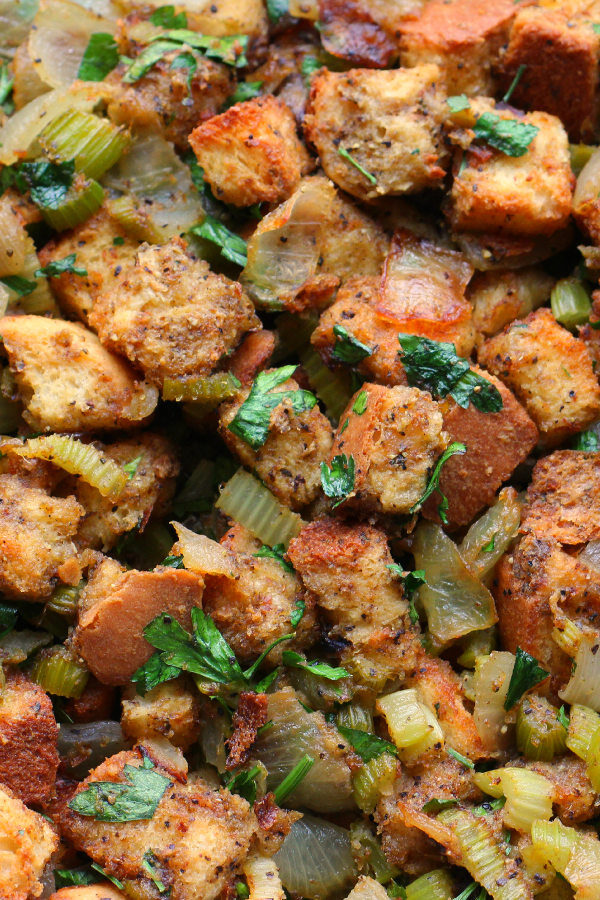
<point>28,842</point>
<point>515,195</point>
<point>36,533</point>
<point>254,608</point>
<point>560,56</point>
<point>95,704</point>
<point>252,356</point>
<point>562,499</point>
<point>355,245</point>
<point>346,566</point>
<point>116,605</point>
<point>103,891</point>
<point>170,710</point>
<point>227,17</point>
<point>289,461</point>
<point>549,371</point>
<point>93,242</point>
<point>171,100</point>
<point>499,297</point>
<point>586,202</point>
<point>574,798</point>
<point>464,38</point>
<point>394,435</point>
<point>28,740</point>
<point>496,444</point>
<point>199,837</point>
<point>171,316</point>
<point>151,486</point>
<point>68,381</point>
<point>388,121</point>
<point>251,152</point>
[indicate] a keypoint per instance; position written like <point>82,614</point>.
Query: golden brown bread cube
<point>171,100</point>
<point>496,444</point>
<point>170,710</point>
<point>562,499</point>
<point>28,740</point>
<point>68,381</point>
<point>251,153</point>
<point>252,609</point>
<point>104,891</point>
<point>394,435</point>
<point>464,38</point>
<point>388,121</point>
<point>499,297</point>
<point>574,798</point>
<point>148,489</point>
<point>93,242</point>
<point>346,566</point>
<point>36,538</point>
<point>514,195</point>
<point>199,837</point>
<point>252,356</point>
<point>549,371</point>
<point>171,316</point>
<point>226,17</point>
<point>354,244</point>
<point>116,605</point>
<point>289,460</point>
<point>560,55</point>
<point>28,841</point>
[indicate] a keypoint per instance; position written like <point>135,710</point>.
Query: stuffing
<point>251,153</point>
<point>28,842</point>
<point>353,244</point>
<point>96,703</point>
<point>394,435</point>
<point>289,460</point>
<point>68,381</point>
<point>389,122</point>
<point>252,356</point>
<point>549,371</point>
<point>498,297</point>
<point>103,891</point>
<point>171,316</point>
<point>574,797</point>
<point>170,710</point>
<point>27,83</point>
<point>117,604</point>
<point>36,538</point>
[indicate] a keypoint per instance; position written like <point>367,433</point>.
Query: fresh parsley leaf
<point>130,801</point>
<point>349,158</point>
<point>293,779</point>
<point>6,85</point>
<point>148,58</point>
<point>241,890</point>
<point>464,760</point>
<point>186,61</point>
<point>230,50</point>
<point>458,103</point>
<point>244,784</point>
<point>74,877</point>
<point>173,562</point>
<point>563,718</point>
<point>507,135</point>
<point>434,481</point>
<point>489,806</point>
<point>338,479</point>
<point>233,247</point>
<point>587,441</point>
<point>165,17</point>
<point>435,366</point>
<point>8,619</point>
<point>48,182</point>
<point>104,874</point>
<point>252,420</point>
<point>435,805</point>
<point>525,675</point>
<point>596,27</point>
<point>360,404</point>
<point>153,673</point>
<point>100,57</point>
<point>21,286</point>
<point>132,466</point>
<point>277,8</point>
<point>396,890</point>
<point>490,546</point>
<point>368,746</point>
<point>246,90</point>
<point>149,864</point>
<point>118,241</point>
<point>411,581</point>
<point>471,889</point>
<point>308,67</point>
<point>61,267</point>
<point>276,552</point>
<point>323,670</point>
<point>297,612</point>
<point>349,349</point>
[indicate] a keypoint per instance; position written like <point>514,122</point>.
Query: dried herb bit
<point>100,57</point>
<point>276,552</point>
<point>368,746</point>
<point>463,760</point>
<point>509,136</point>
<point>525,675</point>
<point>434,481</point>
<point>349,349</point>
<point>337,480</point>
<point>130,801</point>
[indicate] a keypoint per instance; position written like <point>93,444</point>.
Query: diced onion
<point>368,889</point>
<point>12,239</point>
<point>584,683</point>
<point>588,185</point>
<point>490,686</point>
<point>83,747</point>
<point>15,21</point>
<point>497,526</point>
<point>200,554</point>
<point>590,555</point>
<point>17,646</point>
<point>316,860</point>
<point>262,877</point>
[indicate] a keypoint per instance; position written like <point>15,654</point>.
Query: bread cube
<point>394,435</point>
<point>549,371</point>
<point>388,121</point>
<point>170,710</point>
<point>251,153</point>
<point>499,297</point>
<point>171,316</point>
<point>103,891</point>
<point>28,842</point>
<point>68,381</point>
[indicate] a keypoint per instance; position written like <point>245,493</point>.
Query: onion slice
<point>202,555</point>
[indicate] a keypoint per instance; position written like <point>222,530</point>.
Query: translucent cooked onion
<point>490,686</point>
<point>490,536</point>
<point>584,683</point>
<point>17,646</point>
<point>200,554</point>
<point>40,300</point>
<point>316,860</point>
<point>83,747</point>
<point>368,889</point>
<point>15,21</point>
<point>590,555</point>
<point>12,240</point>
<point>295,732</point>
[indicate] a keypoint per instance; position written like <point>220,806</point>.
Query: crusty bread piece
<point>28,842</point>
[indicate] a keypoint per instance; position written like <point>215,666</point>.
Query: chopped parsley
<point>368,746</point>
<point>21,286</point>
<point>337,480</point>
<point>507,135</point>
<point>411,582</point>
<point>463,760</point>
<point>104,874</point>
<point>233,247</point>
<point>293,779</point>
<point>252,420</point>
<point>587,441</point>
<point>128,801</point>
<point>230,50</point>
<point>47,182</point>
<point>368,175</point>
<point>244,784</point>
<point>246,90</point>
<point>489,806</point>
<point>563,718</point>
<point>295,661</point>
<point>297,612</point>
<point>8,619</point>
<point>349,349</point>
<point>310,65</point>
<point>63,266</point>
<point>436,367</point>
<point>165,17</point>
<point>149,864</point>
<point>186,61</point>
<point>118,241</point>
<point>458,103</point>
<point>360,404</point>
<point>435,805</point>
<point>434,481</point>
<point>131,467</point>
<point>100,57</point>
<point>277,551</point>
<point>525,675</point>
<point>173,562</point>
<point>276,9</point>
<point>74,877</point>
<point>490,546</point>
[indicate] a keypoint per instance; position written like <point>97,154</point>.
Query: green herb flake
<point>293,779</point>
<point>131,801</point>
<point>276,552</point>
<point>310,65</point>
<point>118,241</point>
<point>525,675</point>
<point>563,718</point>
<point>131,467</point>
<point>458,103</point>
<point>368,746</point>
<point>463,760</point>
<point>173,562</point>
<point>47,182</point>
<point>411,581</point>
<point>360,404</point>
<point>100,57</point>
<point>349,349</point>
<point>74,877</point>
<point>349,158</point>
<point>252,420</point>
<point>395,891</point>
<point>322,670</point>
<point>435,805</point>
<point>587,441</point>
<point>489,806</point>
<point>434,482</point>
<point>596,27</point>
<point>276,9</point>
<point>186,61</point>
<point>63,266</point>
<point>8,619</point>
<point>297,612</point>
<point>230,50</point>
<point>514,82</point>
<point>490,546</point>
<point>233,247</point>
<point>165,17</point>
<point>104,874</point>
<point>246,90</point>
<point>149,865</point>
<point>242,891</point>
<point>244,784</point>
<point>509,136</point>
<point>147,59</point>
<point>153,673</point>
<point>21,286</point>
<point>337,480</point>
<point>344,426</point>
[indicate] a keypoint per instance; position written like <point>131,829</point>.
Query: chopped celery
<point>368,854</point>
<point>555,841</point>
<point>210,390</point>
<point>83,199</point>
<point>333,388</point>
<point>59,673</point>
<point>435,885</point>
<point>353,715</point>
<point>413,727</point>
<point>94,143</point>
<point>253,505</point>
<point>540,735</point>
<point>528,795</point>
<point>570,302</point>
<point>373,780</point>
<point>477,643</point>
<point>134,218</point>
<point>64,600</point>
